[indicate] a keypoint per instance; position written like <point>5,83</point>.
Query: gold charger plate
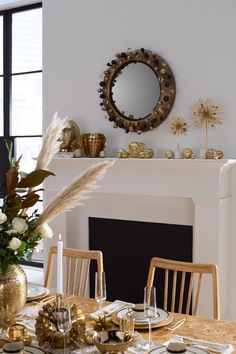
<point>36,292</point>
<point>2,342</point>
<point>163,319</point>
<point>28,349</point>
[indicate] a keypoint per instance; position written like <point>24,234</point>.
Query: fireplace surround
<point>198,193</point>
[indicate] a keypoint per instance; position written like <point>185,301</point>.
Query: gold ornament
<point>102,154</point>
<point>8,316</point>
<point>49,336</point>
<point>206,114</point>
<point>187,153</point>
<point>178,126</point>
<point>211,154</point>
<point>214,154</point>
<point>136,150</point>
<point>102,324</point>
<point>170,154</point>
<point>18,333</point>
<point>219,154</point>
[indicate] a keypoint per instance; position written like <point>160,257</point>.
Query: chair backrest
<point>189,276</point>
<point>77,265</point>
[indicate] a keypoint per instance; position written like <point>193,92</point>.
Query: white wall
<point>196,37</point>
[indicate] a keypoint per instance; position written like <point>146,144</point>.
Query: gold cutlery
<point>209,349</point>
<point>175,325</point>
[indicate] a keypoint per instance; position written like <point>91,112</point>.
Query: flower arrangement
<point>206,114</point>
<point>21,230</point>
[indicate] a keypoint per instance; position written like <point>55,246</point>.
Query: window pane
<point>29,149</point>
<point>1,45</point>
<point>27,41</point>
<point>26,105</point>
<point>1,106</point>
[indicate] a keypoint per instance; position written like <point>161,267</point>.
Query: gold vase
<point>93,144</point>
<point>13,290</point>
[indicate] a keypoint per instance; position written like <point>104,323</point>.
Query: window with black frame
<point>20,86</point>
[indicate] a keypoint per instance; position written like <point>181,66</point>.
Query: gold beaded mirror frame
<point>138,90</point>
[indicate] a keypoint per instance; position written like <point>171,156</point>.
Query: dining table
<point>197,327</point>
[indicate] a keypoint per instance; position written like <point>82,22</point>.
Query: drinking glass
<point>150,311</point>
<point>100,289</point>
<point>62,316</point>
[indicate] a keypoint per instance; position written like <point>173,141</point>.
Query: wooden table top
<point>196,327</point>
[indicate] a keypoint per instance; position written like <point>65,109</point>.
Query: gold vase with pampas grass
<point>21,230</point>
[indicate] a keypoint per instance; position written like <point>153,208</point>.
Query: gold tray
<point>164,319</point>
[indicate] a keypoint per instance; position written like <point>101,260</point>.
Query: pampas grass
<point>76,192</point>
<point>51,143</point>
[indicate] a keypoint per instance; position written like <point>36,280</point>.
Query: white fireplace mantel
<point>204,184</point>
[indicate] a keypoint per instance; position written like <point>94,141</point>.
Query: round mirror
<point>138,90</point>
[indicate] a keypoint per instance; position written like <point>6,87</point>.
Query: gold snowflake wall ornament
<point>206,114</point>
<point>178,127</point>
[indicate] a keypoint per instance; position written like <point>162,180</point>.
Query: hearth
<point>128,247</point>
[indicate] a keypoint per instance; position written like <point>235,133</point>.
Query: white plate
<point>190,350</point>
<point>163,319</point>
<point>160,315</point>
<point>31,350</point>
<point>36,291</point>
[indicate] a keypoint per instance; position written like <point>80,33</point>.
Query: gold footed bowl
<point>93,144</point>
<point>112,341</point>
<point>13,291</point>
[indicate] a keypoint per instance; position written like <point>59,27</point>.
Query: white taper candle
<point>59,265</point>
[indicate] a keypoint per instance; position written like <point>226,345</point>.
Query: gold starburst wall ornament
<point>178,127</point>
<point>206,114</point>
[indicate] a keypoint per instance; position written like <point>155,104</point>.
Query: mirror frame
<point>167,90</point>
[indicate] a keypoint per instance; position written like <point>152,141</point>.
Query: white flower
<point>3,218</point>
<point>19,225</point>
<point>45,231</point>
<point>14,243</point>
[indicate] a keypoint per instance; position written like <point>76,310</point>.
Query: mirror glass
<point>135,90</point>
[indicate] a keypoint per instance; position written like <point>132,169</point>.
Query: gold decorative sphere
<point>170,154</point>
<point>211,154</point>
<point>187,153</point>
<point>219,154</point>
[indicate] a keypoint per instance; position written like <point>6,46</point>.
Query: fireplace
<point>194,193</point>
<point>128,247</point>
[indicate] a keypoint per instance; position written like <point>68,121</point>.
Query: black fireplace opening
<point>128,247</point>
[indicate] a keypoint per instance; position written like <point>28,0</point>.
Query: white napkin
<point>223,348</point>
<point>110,309</point>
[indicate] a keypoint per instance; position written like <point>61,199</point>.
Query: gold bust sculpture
<point>70,137</point>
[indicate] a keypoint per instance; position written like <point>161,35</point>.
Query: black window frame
<point>7,79</point>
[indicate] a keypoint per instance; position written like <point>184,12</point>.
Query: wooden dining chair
<point>76,265</point>
<point>188,276</point>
